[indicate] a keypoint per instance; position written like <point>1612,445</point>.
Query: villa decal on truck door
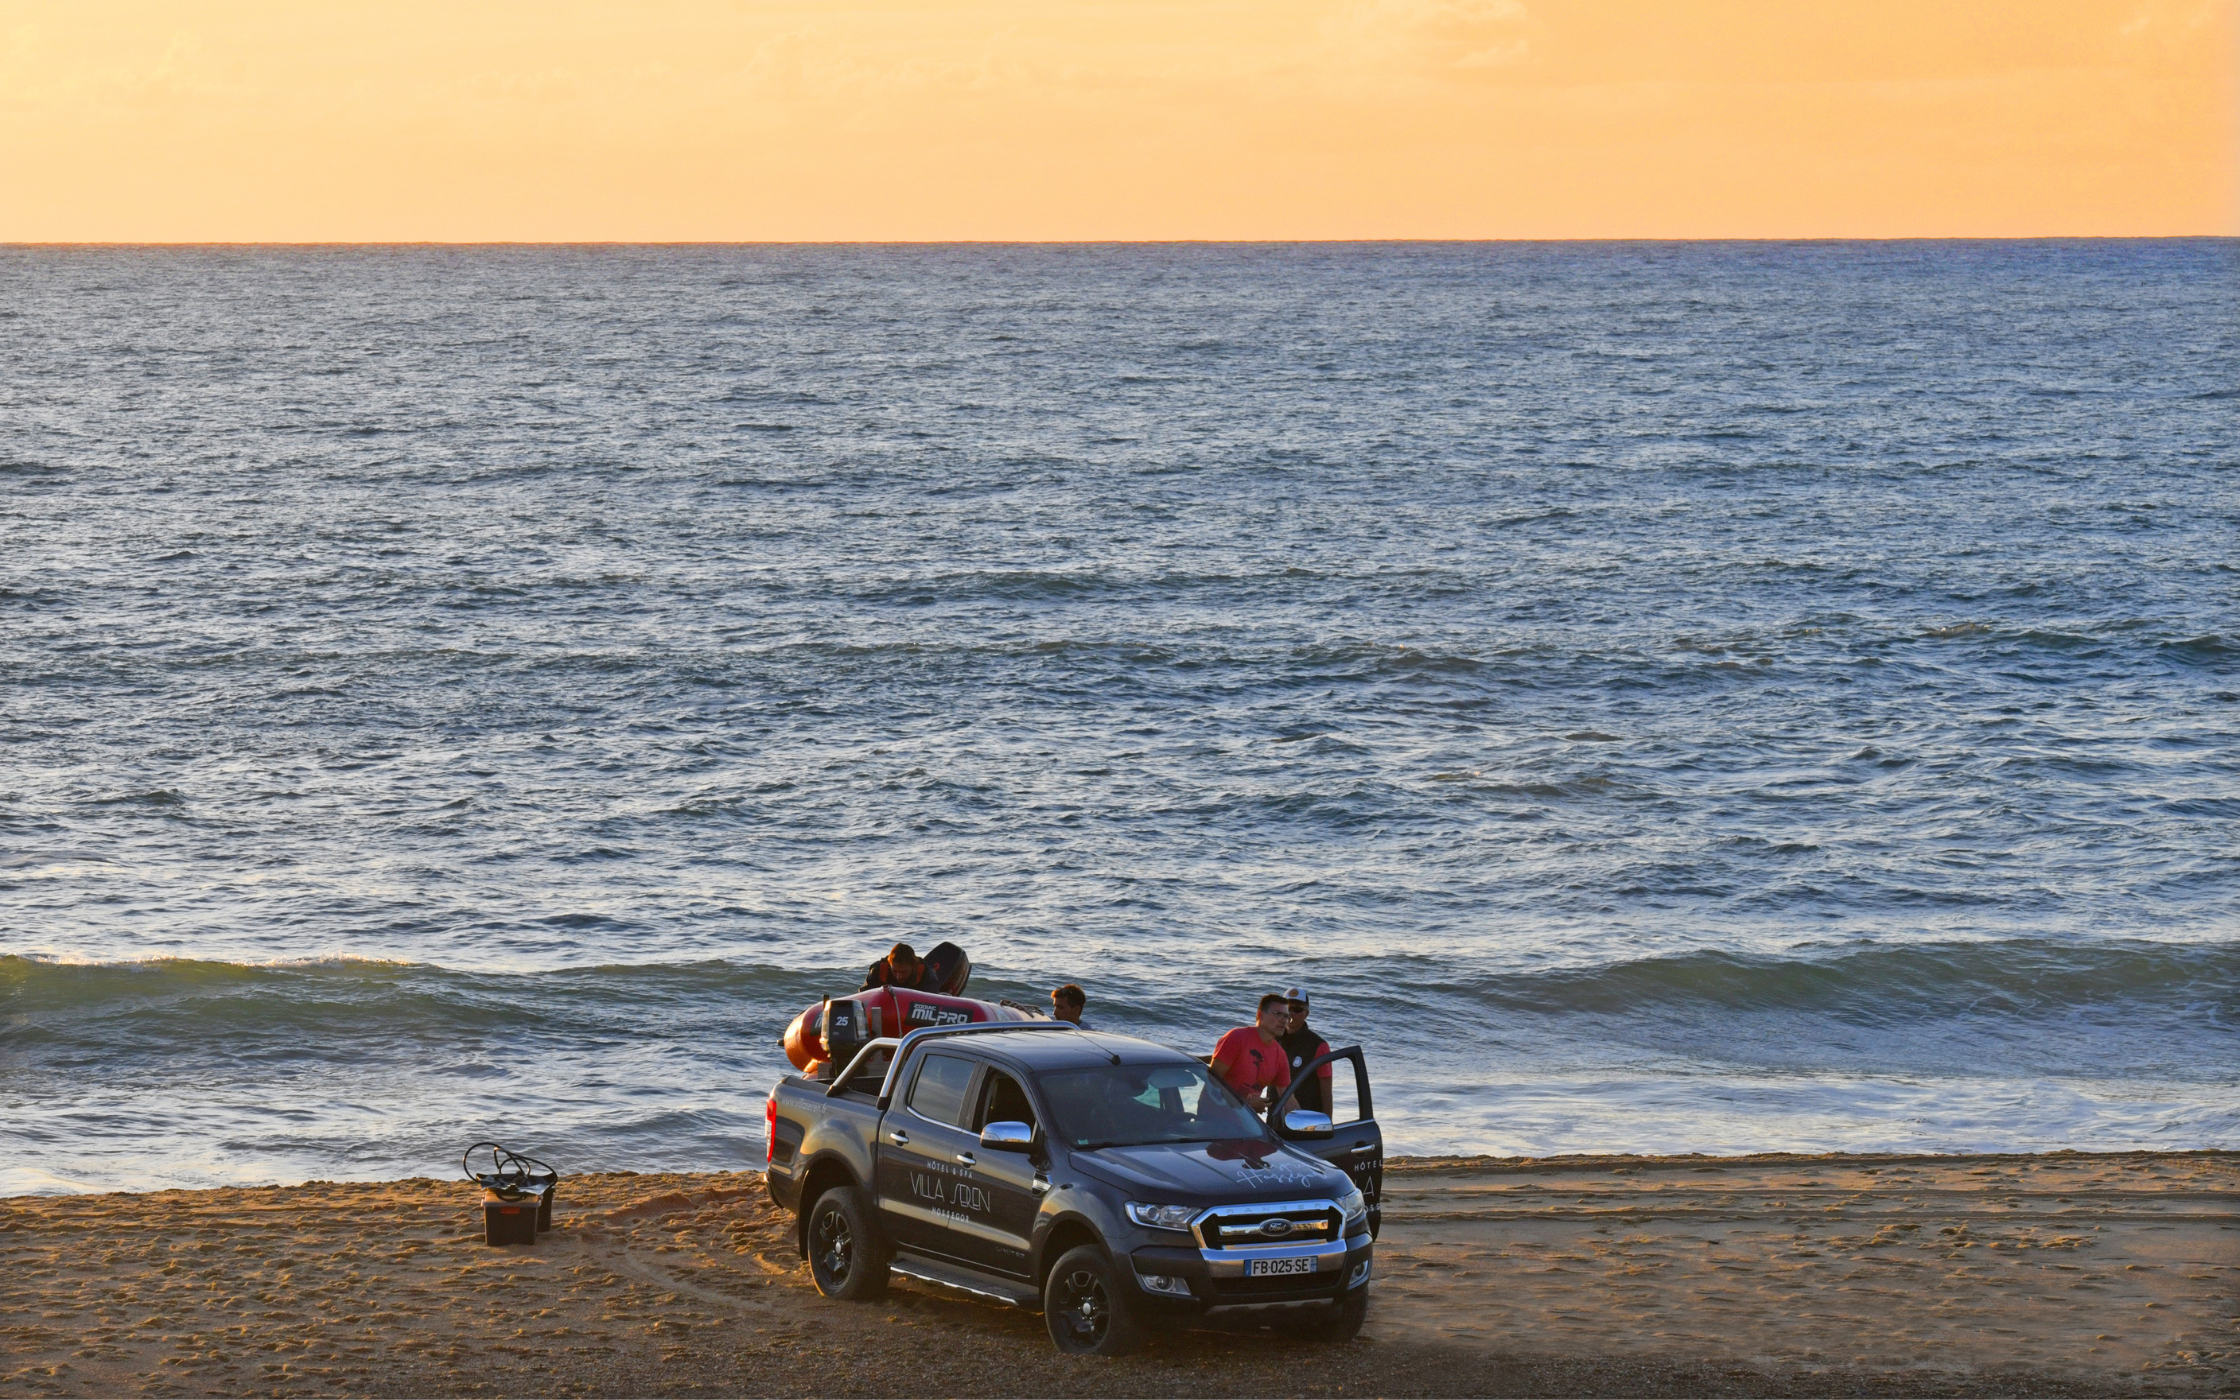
<point>952,1198</point>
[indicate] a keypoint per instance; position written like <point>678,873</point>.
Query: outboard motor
<point>947,970</point>
<point>842,1030</point>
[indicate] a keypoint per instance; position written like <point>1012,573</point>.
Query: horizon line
<point>1103,242</point>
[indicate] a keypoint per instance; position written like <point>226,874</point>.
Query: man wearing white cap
<point>1302,1045</point>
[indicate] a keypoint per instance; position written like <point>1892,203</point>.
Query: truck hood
<point>1229,1171</point>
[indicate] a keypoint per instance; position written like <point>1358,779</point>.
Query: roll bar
<point>841,1080</point>
<point>870,1047</point>
<point>903,1046</point>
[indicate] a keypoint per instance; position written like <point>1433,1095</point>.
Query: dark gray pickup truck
<point>1103,1180</point>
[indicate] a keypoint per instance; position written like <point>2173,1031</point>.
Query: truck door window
<point>1345,1092</point>
<point>1002,1101</point>
<point>1348,1089</point>
<point>937,1094</point>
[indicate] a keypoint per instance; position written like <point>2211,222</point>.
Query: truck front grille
<point>1265,1226</point>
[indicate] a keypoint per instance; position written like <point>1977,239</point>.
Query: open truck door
<point>1353,1142</point>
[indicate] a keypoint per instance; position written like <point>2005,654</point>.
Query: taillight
<point>770,1125</point>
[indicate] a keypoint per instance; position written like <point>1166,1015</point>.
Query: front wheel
<point>1336,1323</point>
<point>1084,1308</point>
<point>845,1257</point>
<point>1351,1314</point>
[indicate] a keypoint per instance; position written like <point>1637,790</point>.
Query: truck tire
<point>1352,1312</point>
<point>1084,1305</point>
<point>846,1256</point>
<point>1336,1323</point>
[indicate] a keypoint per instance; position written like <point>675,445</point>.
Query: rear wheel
<point>845,1255</point>
<point>1084,1307</point>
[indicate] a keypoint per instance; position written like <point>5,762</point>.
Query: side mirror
<point>1300,1122</point>
<point>1007,1137</point>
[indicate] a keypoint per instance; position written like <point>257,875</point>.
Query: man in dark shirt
<point>899,968</point>
<point>1301,1045</point>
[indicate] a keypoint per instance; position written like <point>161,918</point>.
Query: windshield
<point>1133,1105</point>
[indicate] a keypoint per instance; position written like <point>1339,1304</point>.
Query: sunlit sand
<point>2066,1274</point>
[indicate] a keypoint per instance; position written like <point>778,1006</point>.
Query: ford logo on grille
<point>1275,1228</point>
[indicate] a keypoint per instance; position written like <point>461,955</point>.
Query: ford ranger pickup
<point>1104,1181</point>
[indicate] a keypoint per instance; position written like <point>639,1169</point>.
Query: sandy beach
<point>2063,1274</point>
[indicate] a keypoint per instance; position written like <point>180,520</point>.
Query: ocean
<point>1656,697</point>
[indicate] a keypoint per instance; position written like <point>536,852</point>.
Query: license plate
<point>1263,1268</point>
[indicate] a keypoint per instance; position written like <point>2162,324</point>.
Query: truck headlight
<point>1161,1217</point>
<point>1355,1206</point>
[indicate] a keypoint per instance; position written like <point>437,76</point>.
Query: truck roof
<point>1041,1050</point>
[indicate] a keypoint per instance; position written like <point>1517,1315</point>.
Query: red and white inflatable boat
<point>837,1027</point>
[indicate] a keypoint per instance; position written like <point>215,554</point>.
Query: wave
<point>1860,984</point>
<point>2207,649</point>
<point>2022,1041</point>
<point>342,1001</point>
<point>1882,984</point>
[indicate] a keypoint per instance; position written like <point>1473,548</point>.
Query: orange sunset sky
<point>209,120</point>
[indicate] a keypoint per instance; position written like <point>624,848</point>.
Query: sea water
<point>1654,697</point>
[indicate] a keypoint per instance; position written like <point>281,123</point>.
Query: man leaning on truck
<point>1251,1059</point>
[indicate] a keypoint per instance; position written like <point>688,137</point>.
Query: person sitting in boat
<point>899,968</point>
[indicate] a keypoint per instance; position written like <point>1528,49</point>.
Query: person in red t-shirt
<point>1251,1060</point>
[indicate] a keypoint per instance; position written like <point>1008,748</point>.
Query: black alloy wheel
<point>834,1245</point>
<point>844,1254</point>
<point>1083,1307</point>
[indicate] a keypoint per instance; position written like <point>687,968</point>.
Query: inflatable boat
<point>835,1028</point>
